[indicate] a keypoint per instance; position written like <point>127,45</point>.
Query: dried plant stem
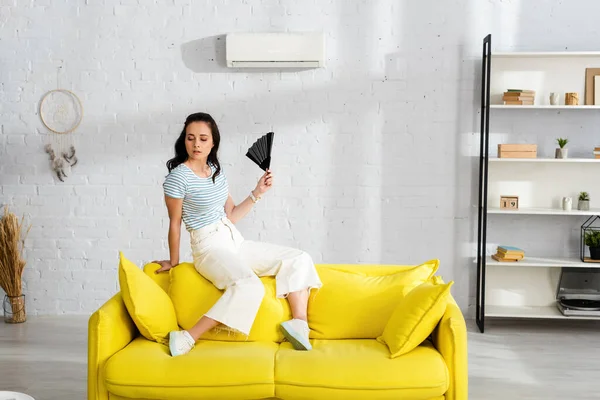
<point>12,239</point>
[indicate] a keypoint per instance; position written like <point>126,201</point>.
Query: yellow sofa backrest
<point>355,301</point>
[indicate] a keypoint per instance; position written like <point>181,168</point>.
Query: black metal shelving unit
<point>592,223</point>
<point>483,181</point>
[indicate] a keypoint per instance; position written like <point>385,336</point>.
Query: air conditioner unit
<point>275,50</point>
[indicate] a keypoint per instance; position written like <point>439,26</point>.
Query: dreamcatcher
<point>61,112</point>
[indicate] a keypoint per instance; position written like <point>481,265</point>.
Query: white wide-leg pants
<point>233,264</point>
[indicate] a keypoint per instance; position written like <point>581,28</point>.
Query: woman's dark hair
<point>181,154</point>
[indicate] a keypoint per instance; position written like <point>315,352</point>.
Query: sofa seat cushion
<point>223,370</point>
<point>359,369</point>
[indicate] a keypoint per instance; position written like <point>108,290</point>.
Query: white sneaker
<point>180,342</point>
<point>296,332</point>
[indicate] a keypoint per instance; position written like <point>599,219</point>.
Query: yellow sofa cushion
<point>415,317</point>
<point>211,370</point>
<point>357,302</point>
<point>358,369</point>
<point>162,279</point>
<point>193,296</point>
<point>148,305</point>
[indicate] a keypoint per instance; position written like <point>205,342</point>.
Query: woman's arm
<point>174,207</point>
<point>236,213</point>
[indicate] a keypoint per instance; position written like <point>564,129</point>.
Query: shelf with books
<point>544,73</point>
<point>543,262</point>
<point>511,190</point>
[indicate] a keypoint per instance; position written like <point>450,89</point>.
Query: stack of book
<point>519,97</point>
<point>597,152</point>
<point>508,254</point>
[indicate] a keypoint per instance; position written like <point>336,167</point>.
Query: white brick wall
<point>373,154</point>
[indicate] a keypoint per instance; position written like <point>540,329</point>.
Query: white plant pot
<point>583,205</point>
<point>561,153</point>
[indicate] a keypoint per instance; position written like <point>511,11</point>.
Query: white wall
<point>374,156</point>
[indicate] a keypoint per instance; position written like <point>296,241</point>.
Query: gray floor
<point>46,358</point>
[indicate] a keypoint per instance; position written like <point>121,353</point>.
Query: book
<point>510,256</point>
<point>510,251</point>
<point>521,90</point>
<point>518,98</point>
<point>503,259</point>
<point>519,94</point>
<point>519,103</point>
<point>508,248</point>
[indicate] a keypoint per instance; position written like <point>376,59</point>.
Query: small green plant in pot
<point>562,152</point>
<point>592,240</point>
<point>584,201</point>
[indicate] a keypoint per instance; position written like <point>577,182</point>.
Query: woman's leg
<point>249,295</point>
<point>221,264</point>
<point>236,309</point>
<point>203,325</point>
<point>299,304</point>
<point>293,269</point>
<point>295,274</point>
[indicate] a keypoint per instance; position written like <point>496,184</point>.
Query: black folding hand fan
<point>260,151</point>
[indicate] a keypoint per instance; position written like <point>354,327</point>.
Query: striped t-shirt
<point>203,200</point>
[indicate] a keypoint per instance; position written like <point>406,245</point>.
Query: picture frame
<point>590,74</point>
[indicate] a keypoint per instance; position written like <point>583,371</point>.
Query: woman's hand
<point>165,265</point>
<point>264,184</point>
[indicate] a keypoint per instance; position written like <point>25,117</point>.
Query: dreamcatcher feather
<point>61,112</point>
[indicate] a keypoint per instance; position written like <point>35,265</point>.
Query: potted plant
<point>584,202</point>
<point>12,238</point>
<point>562,152</point>
<point>592,240</point>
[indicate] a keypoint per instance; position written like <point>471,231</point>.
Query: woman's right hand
<point>165,265</point>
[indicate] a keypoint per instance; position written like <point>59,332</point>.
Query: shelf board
<point>541,312</point>
<point>542,211</point>
<point>543,262</point>
<point>543,107</point>
<point>544,54</point>
<point>545,160</point>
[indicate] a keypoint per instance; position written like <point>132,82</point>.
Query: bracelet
<point>254,198</point>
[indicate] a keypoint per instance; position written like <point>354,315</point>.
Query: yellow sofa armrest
<point>450,339</point>
<point>110,329</point>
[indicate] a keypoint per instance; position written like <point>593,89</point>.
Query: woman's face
<point>198,140</point>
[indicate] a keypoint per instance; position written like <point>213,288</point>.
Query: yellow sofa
<point>347,361</point>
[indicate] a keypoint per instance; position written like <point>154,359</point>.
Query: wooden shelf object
<point>532,312</point>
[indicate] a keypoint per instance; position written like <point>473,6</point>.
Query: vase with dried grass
<point>12,239</point>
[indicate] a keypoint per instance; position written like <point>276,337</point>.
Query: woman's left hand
<point>264,184</point>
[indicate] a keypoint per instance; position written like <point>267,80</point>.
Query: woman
<point>196,191</point>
